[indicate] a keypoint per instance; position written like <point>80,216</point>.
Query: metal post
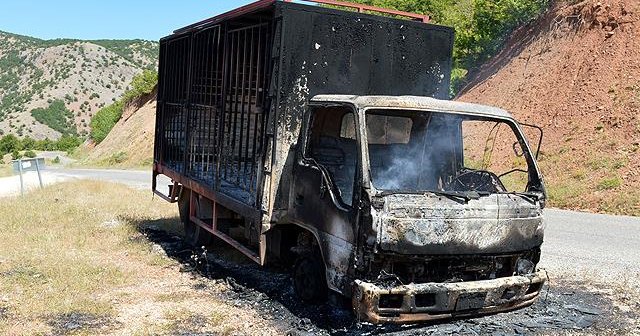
<point>38,170</point>
<point>21,182</point>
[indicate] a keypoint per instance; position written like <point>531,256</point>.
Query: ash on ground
<point>562,308</point>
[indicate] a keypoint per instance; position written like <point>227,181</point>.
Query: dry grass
<point>72,252</point>
<point>6,170</point>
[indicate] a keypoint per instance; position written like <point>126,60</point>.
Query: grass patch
<point>565,194</point>
<point>607,163</point>
<point>627,203</point>
<point>609,183</point>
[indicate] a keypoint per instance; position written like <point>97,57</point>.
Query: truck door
<point>325,173</point>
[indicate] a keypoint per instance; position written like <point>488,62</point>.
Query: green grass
<point>609,183</point>
<point>565,194</point>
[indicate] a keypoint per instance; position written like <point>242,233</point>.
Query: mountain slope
<point>576,73</point>
<point>84,75</point>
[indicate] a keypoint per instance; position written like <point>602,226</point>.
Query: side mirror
<point>539,129</point>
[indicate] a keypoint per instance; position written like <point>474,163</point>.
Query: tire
<point>309,278</point>
<point>193,233</point>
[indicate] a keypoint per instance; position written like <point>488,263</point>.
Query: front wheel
<point>193,233</point>
<point>309,278</point>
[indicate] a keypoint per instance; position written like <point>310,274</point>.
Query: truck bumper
<point>433,301</point>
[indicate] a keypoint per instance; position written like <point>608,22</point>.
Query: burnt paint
<point>433,225</point>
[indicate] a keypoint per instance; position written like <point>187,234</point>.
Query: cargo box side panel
<point>171,117</point>
<point>246,106</point>
<point>213,105</point>
<point>326,51</point>
<point>205,103</point>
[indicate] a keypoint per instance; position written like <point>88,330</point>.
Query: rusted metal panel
<point>362,8</point>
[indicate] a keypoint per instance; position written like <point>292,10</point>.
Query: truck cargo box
<point>233,90</point>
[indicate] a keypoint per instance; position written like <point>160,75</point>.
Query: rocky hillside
<point>576,73</point>
<point>52,87</point>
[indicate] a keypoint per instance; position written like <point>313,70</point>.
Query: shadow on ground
<point>269,291</point>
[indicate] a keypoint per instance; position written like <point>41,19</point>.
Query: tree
<point>9,143</point>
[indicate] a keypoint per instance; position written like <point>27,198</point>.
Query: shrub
<point>68,143</point>
<point>56,160</point>
<point>117,158</point>
<point>9,143</point>
<point>15,155</point>
<point>30,154</point>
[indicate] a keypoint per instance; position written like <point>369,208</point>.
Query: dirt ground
<point>576,73</point>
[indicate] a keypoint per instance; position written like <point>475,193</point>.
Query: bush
<point>68,143</point>
<point>56,160</point>
<point>9,143</point>
<point>15,155</point>
<point>104,120</point>
<point>119,157</point>
<point>30,154</point>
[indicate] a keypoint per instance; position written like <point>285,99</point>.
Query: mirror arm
<point>539,139</point>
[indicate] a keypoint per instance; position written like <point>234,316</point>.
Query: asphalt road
<point>577,245</point>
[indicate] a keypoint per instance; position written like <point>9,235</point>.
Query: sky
<point>106,19</point>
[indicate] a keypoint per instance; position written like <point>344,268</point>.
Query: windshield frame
<point>535,180</point>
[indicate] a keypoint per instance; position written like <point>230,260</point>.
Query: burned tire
<point>193,233</point>
<point>309,278</point>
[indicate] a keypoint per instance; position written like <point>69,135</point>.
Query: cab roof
<point>414,102</point>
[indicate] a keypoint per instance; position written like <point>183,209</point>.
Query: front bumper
<point>432,301</point>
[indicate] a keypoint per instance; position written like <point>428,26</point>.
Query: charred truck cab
<point>322,139</point>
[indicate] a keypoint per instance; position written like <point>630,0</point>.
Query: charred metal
<point>321,139</point>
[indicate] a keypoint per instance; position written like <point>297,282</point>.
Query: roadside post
<point>25,165</point>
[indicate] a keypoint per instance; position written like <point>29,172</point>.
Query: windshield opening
<point>414,151</point>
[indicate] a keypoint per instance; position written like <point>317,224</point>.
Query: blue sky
<point>106,19</point>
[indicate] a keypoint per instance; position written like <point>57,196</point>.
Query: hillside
<point>65,81</point>
<point>130,142</point>
<point>576,73</point>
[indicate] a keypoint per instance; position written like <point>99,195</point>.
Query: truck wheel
<point>309,278</point>
<point>193,233</point>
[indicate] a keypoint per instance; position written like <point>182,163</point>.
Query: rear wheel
<point>309,278</point>
<point>193,233</point>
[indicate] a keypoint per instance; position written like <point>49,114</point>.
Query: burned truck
<point>322,139</point>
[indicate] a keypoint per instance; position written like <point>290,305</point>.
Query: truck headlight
<point>524,266</point>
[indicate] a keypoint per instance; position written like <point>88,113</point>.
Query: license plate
<point>470,301</point>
